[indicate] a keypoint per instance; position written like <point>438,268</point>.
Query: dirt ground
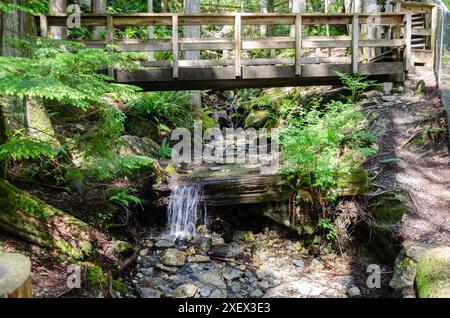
<point>413,138</point>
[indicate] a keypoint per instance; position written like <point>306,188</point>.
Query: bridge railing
<point>396,44</point>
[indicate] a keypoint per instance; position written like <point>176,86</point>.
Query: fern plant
<point>126,196</point>
<point>356,84</point>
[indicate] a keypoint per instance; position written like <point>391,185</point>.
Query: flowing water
<point>185,211</point>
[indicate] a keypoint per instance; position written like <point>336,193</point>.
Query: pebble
<point>298,262</point>
<point>353,292</point>
<point>164,243</point>
<point>257,293</point>
<point>264,284</point>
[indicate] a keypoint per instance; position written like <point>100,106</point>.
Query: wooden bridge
<point>229,62</point>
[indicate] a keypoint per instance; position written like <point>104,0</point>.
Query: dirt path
<point>413,155</point>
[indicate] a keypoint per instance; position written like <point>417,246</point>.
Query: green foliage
<point>126,196</point>
<point>95,276</point>
<point>24,149</point>
<point>356,84</point>
<point>166,109</point>
<point>313,145</point>
<point>328,226</point>
<point>165,151</point>
<point>110,168</point>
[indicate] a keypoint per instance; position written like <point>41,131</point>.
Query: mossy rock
<point>433,274</point>
<point>31,219</point>
<point>389,207</point>
<point>257,119</point>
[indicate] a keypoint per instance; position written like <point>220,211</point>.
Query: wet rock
<point>198,259</point>
<point>203,245</point>
<point>228,250</point>
<point>353,292</point>
<point>173,257</point>
<point>186,291</point>
<point>257,293</point>
<point>256,118</point>
<point>298,262</point>
<point>164,243</point>
<point>433,273</point>
<point>135,146</point>
<point>149,293</point>
<point>243,236</point>
<point>231,273</point>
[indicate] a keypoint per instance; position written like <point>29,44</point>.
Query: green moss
<point>257,119</point>
<point>122,289</point>
<point>94,276</point>
<point>433,274</point>
<point>33,220</point>
<point>389,207</point>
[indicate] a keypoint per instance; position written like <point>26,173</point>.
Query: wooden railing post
<point>407,37</point>
<point>43,24</point>
<point>298,44</point>
<point>237,44</point>
<point>434,16</point>
<point>355,43</point>
<point>175,45</point>
<point>110,38</point>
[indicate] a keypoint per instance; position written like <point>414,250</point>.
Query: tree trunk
<point>31,219</point>
<point>3,138</point>
<point>15,276</point>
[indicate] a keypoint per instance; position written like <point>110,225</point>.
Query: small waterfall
<point>185,211</point>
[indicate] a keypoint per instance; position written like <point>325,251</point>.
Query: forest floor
<point>413,139</point>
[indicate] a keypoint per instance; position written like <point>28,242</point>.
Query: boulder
<point>136,146</point>
<point>433,273</point>
<point>257,119</point>
<point>173,257</point>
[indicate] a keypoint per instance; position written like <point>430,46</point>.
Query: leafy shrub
<point>126,196</point>
<point>166,109</point>
<point>313,146</point>
<point>356,84</point>
<point>109,168</point>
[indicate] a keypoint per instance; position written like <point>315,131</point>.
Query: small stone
<point>242,267</point>
<point>206,290</point>
<point>144,252</point>
<point>231,273</point>
<point>298,262</point>
<point>316,264</point>
<point>173,257</point>
<point>388,98</point>
<point>149,293</point>
<point>264,284</point>
<point>164,243</point>
<point>139,275</point>
<point>353,292</point>
<point>257,293</point>
<point>218,293</point>
<point>147,271</point>
<point>388,104</point>
<point>198,259</point>
<point>387,87</point>
<point>211,277</point>
<point>260,273</point>
<point>186,291</point>
<point>167,269</point>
